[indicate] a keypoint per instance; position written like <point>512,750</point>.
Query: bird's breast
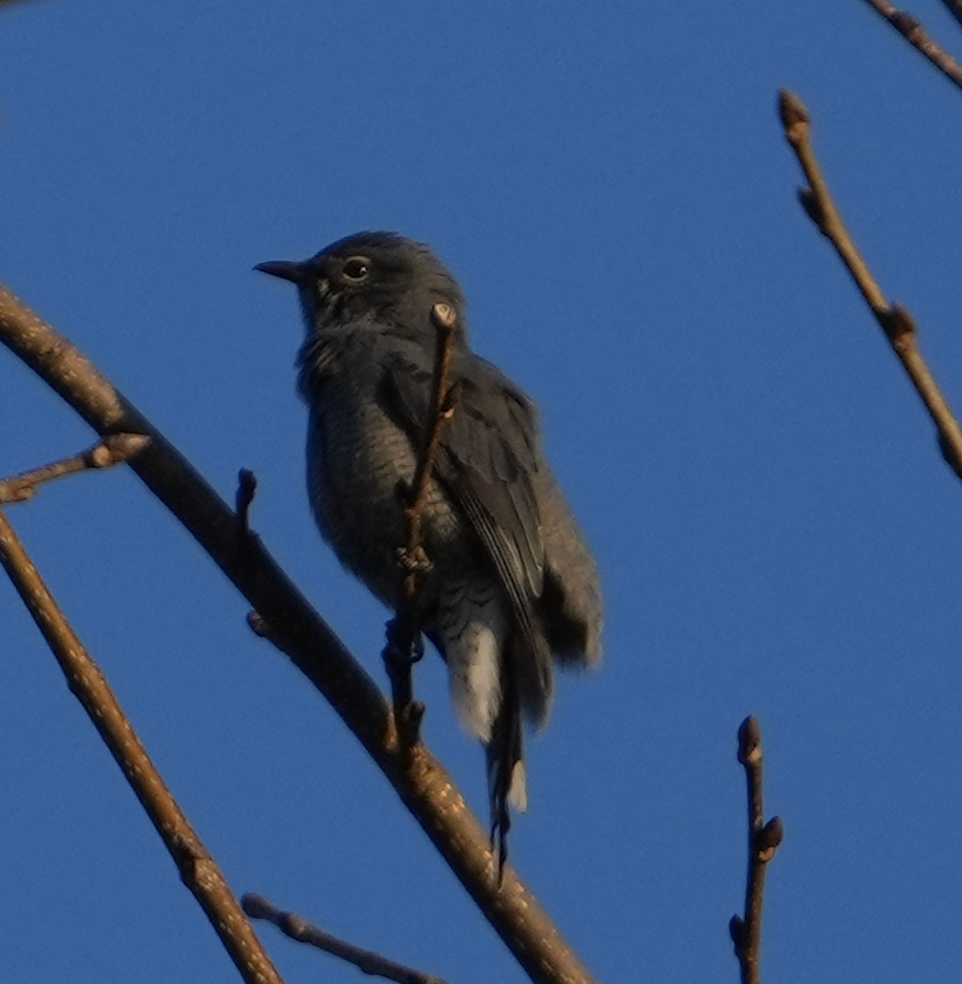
<point>359,462</point>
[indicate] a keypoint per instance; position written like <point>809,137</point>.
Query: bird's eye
<point>356,269</point>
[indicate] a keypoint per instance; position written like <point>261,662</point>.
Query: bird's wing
<point>487,461</point>
<point>570,602</point>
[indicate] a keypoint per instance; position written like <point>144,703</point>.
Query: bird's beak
<point>296,273</point>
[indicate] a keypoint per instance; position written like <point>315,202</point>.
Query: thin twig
<point>763,840</point>
<point>296,629</point>
<point>299,929</point>
<point>442,405</point>
<point>198,870</point>
<point>895,321</point>
<point>114,449</point>
<point>916,35</point>
<point>404,646</point>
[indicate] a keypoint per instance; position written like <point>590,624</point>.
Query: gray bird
<point>512,585</point>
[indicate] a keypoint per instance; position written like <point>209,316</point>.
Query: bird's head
<point>376,278</point>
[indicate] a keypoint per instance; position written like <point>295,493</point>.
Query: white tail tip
<point>518,790</point>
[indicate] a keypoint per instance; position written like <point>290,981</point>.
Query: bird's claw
<point>402,647</point>
<point>413,562</point>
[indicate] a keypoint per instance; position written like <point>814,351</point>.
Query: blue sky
<point>776,532</point>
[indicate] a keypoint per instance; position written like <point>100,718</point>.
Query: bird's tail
<point>506,774</point>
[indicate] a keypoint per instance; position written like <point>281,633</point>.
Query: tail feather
<point>500,675</point>
<point>507,785</point>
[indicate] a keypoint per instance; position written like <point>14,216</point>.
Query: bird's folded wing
<point>487,455</point>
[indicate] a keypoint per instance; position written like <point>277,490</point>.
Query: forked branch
<point>198,870</point>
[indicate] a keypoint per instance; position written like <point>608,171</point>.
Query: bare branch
<point>198,870</point>
<point>441,407</point>
<point>115,449</point>
<point>895,321</point>
<point>916,35</point>
<point>286,617</point>
<point>298,928</point>
<point>763,840</point>
<point>404,643</point>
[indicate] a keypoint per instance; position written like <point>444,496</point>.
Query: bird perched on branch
<point>510,585</point>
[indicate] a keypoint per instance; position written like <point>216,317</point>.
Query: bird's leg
<point>404,647</point>
<point>244,497</point>
<point>405,644</point>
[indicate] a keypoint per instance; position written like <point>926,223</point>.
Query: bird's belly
<point>358,468</point>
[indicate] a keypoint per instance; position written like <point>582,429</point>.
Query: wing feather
<point>488,451</point>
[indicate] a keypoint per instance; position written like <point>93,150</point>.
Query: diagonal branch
<point>895,321</point>
<point>916,35</point>
<point>763,841</point>
<point>419,780</point>
<point>367,961</point>
<point>198,870</point>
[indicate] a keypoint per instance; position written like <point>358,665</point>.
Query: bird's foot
<point>413,561</point>
<point>404,648</point>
